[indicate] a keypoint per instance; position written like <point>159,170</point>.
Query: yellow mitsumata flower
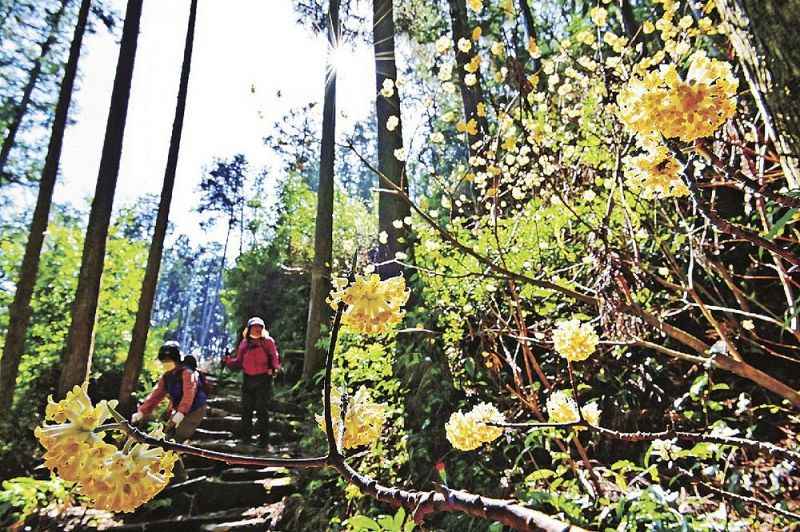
<point>475,5</point>
<point>574,340</point>
<point>116,480</point>
<point>657,173</point>
<point>373,306</point>
<point>688,109</point>
<point>561,408</point>
<point>469,431</point>
<point>363,419</point>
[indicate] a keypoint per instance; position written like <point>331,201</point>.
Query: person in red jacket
<point>257,356</point>
<point>181,385</point>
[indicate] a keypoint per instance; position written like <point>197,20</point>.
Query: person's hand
<point>177,417</point>
<point>136,418</point>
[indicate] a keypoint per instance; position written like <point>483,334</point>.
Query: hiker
<point>182,385</point>
<point>258,358</point>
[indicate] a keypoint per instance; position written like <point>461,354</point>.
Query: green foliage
<point>51,306</point>
<point>399,522</point>
<point>22,496</point>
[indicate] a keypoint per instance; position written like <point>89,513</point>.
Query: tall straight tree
<point>314,359</point>
<point>22,107</point>
<point>20,310</point>
<point>764,35</point>
<point>134,362</point>
<point>78,351</point>
<point>391,157</point>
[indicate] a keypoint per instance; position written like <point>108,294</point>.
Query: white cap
<point>255,321</point>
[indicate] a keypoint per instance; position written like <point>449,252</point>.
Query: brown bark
<point>391,207</point>
<point>20,310</point>
<point>314,359</point>
<point>22,108</point>
<point>765,37</point>
<point>135,360</point>
<point>77,353</point>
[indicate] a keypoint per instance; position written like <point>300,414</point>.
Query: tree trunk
<point>188,307</point>
<point>22,108</point>
<point>213,297</point>
<point>630,27</point>
<point>77,354</point>
<point>530,29</point>
<point>471,96</point>
<point>314,359</point>
<point>20,310</point>
<point>767,43</point>
<point>391,206</point>
<point>135,360</point>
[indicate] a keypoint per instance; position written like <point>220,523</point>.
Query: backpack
<point>208,384</point>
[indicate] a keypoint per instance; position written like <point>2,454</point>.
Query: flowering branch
<point>737,367</point>
<point>737,175</point>
<point>749,500</point>
<point>232,459</point>
<point>724,225</point>
<point>762,447</point>
<point>468,250</point>
<point>447,500</point>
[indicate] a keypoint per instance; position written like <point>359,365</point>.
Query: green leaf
<point>778,226</point>
<point>362,522</point>
<point>540,474</point>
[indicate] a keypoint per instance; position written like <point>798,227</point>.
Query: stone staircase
<point>217,496</point>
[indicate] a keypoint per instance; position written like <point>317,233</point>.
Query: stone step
<point>182,488</point>
<point>233,404</point>
<point>239,447</point>
<point>280,429</point>
<point>189,523</point>
<point>219,494</point>
<point>255,524</point>
<point>206,434</point>
<point>227,423</point>
<point>243,473</point>
<point>210,469</point>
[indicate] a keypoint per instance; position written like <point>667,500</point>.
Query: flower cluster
<point>574,340</point>
<point>661,102</point>
<point>363,419</point>
<point>658,174</point>
<point>373,306</point>
<point>561,408</point>
<point>468,431</point>
<point>117,480</point>
<point>665,450</point>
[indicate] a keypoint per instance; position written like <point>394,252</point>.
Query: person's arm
<point>272,353</point>
<point>236,362</point>
<point>190,383</point>
<point>155,397</point>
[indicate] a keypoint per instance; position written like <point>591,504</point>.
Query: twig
<point>233,459</point>
<point>750,500</point>
<point>724,225</point>
<point>762,447</point>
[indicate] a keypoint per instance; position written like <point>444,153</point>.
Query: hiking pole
<point>223,356</point>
